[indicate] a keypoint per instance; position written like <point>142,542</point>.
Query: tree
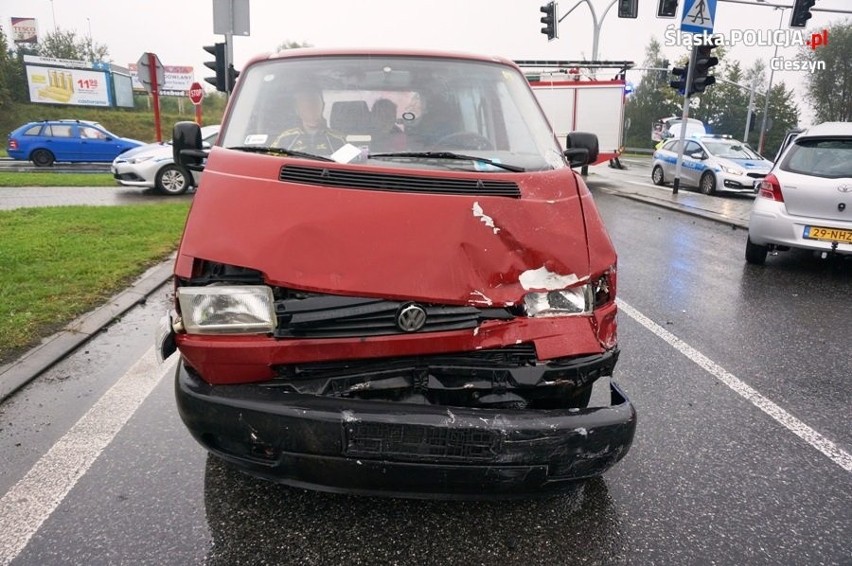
<point>6,69</point>
<point>829,90</point>
<point>784,114</point>
<point>651,100</point>
<point>65,44</point>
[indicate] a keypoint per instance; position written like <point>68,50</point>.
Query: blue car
<point>48,141</point>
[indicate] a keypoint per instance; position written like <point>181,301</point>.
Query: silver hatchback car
<point>806,201</point>
<point>712,163</point>
<point>152,165</point>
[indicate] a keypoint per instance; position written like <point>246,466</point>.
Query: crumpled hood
<point>433,248</point>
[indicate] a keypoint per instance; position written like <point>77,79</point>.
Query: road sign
<point>231,17</point>
<point>196,93</point>
<point>143,70</point>
<point>698,16</point>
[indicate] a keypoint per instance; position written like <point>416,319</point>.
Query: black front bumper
<point>381,447</point>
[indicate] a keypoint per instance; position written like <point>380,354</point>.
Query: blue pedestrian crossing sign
<point>698,16</point>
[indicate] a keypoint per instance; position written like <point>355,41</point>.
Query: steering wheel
<point>464,140</point>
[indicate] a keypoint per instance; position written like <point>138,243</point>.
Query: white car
<point>152,165</point>
<point>712,163</point>
<point>806,200</point>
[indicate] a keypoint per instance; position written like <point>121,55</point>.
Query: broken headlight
<point>582,299</point>
<point>576,300</point>
<point>227,309</point>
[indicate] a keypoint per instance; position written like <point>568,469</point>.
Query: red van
<point>391,281</point>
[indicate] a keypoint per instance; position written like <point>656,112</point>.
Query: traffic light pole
<point>229,60</point>
<point>684,118</point>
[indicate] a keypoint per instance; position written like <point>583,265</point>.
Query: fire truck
<point>575,97</point>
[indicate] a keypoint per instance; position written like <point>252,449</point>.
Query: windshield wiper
<point>448,155</point>
<point>280,151</point>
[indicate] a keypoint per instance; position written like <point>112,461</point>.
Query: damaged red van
<point>391,281</point>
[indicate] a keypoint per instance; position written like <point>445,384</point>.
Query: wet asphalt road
<point>29,197</point>
<point>710,479</point>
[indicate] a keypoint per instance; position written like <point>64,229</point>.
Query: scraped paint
<point>484,218</point>
<point>544,279</point>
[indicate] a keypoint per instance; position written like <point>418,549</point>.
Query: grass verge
<point>47,179</point>
<point>61,262</point>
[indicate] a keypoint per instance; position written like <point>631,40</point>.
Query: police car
<point>712,163</point>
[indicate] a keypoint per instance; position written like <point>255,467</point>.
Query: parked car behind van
<point>425,316</point>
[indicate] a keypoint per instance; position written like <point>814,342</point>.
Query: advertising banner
<point>67,86</point>
<point>178,80</point>
<point>24,30</point>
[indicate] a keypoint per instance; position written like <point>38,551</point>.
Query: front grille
<point>506,357</point>
<point>757,175</point>
<point>327,316</point>
<point>411,442</point>
<point>346,179</point>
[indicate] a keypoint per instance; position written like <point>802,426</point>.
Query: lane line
<point>788,421</point>
<point>28,504</point>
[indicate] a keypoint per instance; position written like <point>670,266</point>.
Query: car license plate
<point>828,234</point>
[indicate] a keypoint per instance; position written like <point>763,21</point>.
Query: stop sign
<point>196,93</point>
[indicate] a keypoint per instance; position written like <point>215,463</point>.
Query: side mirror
<point>107,138</point>
<point>187,149</point>
<point>577,157</point>
<point>583,140</point>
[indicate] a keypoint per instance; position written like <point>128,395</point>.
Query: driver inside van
<point>313,134</point>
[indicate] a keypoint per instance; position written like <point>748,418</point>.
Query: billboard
<point>24,30</point>
<point>178,80</point>
<point>123,90</point>
<point>51,85</point>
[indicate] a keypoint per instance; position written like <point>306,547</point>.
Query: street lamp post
<point>596,22</point>
<point>769,91</point>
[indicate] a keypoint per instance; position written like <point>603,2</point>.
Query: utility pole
<point>749,109</point>
<point>762,141</point>
<point>598,24</point>
<point>684,117</point>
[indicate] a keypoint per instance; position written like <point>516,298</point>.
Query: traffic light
<point>628,8</point>
<point>667,9</point>
<point>232,77</point>
<point>549,20</point>
<point>220,80</point>
<point>679,84</point>
<point>801,13</point>
<point>704,60</point>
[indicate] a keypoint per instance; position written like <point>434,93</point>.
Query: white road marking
<point>788,421</point>
<point>28,504</point>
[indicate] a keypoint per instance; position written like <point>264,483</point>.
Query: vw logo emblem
<point>411,318</point>
<point>845,188</point>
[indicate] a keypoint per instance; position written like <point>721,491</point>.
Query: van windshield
<point>417,110</point>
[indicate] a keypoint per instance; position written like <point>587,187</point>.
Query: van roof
<point>384,52</point>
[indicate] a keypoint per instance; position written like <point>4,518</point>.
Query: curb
<point>53,349</point>
<point>706,214</point>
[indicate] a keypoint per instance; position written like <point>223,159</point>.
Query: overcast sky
<point>176,30</point>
